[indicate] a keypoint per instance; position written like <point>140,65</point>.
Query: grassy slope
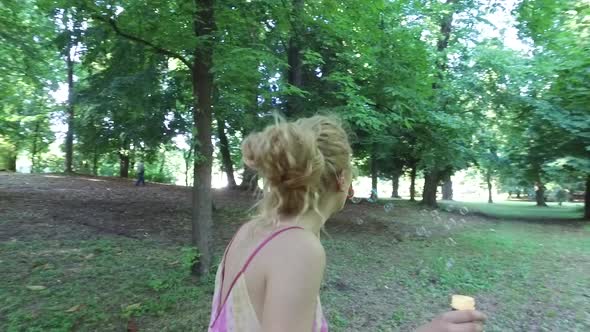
<point>521,210</point>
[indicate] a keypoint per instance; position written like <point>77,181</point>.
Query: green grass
<point>97,285</point>
<point>519,210</point>
<point>525,276</point>
<point>517,273</point>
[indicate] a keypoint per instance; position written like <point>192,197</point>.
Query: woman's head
<point>302,164</point>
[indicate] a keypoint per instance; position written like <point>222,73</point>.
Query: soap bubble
<point>447,227</point>
<point>388,207</point>
<point>450,263</point>
<point>434,213</point>
<point>453,221</point>
<point>359,221</point>
<point>463,221</point>
<point>422,231</point>
<point>437,220</point>
<point>355,200</point>
<point>464,210</point>
<point>450,242</point>
<point>423,212</point>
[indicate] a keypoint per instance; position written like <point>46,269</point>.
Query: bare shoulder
<point>298,247</point>
<point>293,281</point>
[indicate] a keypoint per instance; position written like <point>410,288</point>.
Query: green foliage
<point>559,31</point>
<point>28,71</point>
<point>189,256</point>
<point>416,84</point>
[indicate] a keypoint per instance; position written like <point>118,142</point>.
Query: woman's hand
<point>456,321</point>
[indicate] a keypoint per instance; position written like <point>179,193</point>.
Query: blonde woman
<point>270,275</point>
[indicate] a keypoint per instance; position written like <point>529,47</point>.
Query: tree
<point>28,72</point>
<point>129,105</point>
<point>557,30</point>
<point>71,31</point>
<point>195,51</point>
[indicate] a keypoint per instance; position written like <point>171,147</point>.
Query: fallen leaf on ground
<point>133,306</point>
<point>75,308</point>
<point>33,287</point>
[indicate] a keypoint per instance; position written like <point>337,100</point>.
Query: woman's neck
<point>310,220</point>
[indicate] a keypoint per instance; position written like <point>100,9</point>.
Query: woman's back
<point>262,267</point>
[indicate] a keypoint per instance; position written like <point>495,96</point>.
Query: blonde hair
<point>297,162</point>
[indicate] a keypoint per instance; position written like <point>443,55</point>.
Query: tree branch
<point>139,40</point>
<point>385,107</point>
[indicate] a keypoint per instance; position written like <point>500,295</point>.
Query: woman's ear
<point>340,179</point>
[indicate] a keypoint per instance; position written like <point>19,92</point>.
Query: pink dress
<point>236,313</point>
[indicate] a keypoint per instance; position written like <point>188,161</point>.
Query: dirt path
<point>85,207</point>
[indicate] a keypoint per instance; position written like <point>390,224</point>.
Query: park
<point>122,174</point>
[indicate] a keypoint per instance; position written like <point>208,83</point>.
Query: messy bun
<point>296,160</point>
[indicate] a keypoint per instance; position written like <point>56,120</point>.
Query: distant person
<point>270,275</point>
<point>140,174</point>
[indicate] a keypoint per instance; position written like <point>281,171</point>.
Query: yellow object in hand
<point>462,302</point>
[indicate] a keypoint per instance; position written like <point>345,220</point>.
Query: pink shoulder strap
<point>243,269</point>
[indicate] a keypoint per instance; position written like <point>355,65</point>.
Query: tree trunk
<point>70,110</point>
<point>95,162</point>
<point>431,177</point>
<point>12,162</point>
<point>413,184</point>
<point>374,177</point>
<point>123,165</point>
<point>540,194</point>
<point>249,179</point>
<point>202,80</point>
<point>430,188</point>
<point>447,188</point>
<point>446,25</point>
<point>489,181</point>
<point>225,154</point>
<point>187,164</point>
<point>570,197</point>
<point>587,199</point>
<point>162,164</point>
<point>395,186</point>
<point>34,148</point>
<point>294,58</point>
<point>187,156</point>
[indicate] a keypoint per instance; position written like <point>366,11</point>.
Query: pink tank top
<point>236,313</point>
